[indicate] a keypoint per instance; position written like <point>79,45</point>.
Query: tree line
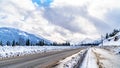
<point>29,43</point>
<point>61,44</point>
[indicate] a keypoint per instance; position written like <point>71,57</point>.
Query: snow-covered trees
<point>113,35</point>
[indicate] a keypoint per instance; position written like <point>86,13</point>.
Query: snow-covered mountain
<point>10,34</point>
<point>87,40</point>
<point>90,41</point>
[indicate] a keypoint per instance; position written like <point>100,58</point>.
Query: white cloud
<point>24,4</point>
<point>86,26</point>
<point>64,20</point>
<point>95,8</point>
<point>62,3</point>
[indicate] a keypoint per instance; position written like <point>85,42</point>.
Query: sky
<point>61,20</point>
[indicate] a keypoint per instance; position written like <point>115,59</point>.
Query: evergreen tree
<point>17,43</point>
<point>116,38</point>
<point>8,43</point>
<point>115,31</point>
<point>13,43</point>
<point>54,44</point>
<point>22,41</point>
<point>1,43</point>
<point>27,42</point>
<point>107,36</point>
<point>68,43</point>
<point>41,43</point>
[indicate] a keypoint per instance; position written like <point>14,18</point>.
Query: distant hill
<point>10,34</point>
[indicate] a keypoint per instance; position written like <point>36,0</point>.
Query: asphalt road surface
<point>44,60</point>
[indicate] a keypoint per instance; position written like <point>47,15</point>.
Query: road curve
<point>45,60</point>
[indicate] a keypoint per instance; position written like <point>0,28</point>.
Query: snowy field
<point>101,58</point>
<point>114,49</point>
<point>106,59</point>
<point>9,51</point>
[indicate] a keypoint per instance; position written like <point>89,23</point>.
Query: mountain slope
<point>10,34</point>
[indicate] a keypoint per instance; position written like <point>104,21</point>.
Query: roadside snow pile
<point>9,51</point>
<point>72,61</point>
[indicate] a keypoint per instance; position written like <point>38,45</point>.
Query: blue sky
<point>61,20</point>
<point>44,3</point>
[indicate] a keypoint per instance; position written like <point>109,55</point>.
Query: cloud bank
<point>61,20</point>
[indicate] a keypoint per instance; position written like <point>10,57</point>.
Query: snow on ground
<point>114,49</point>
<point>9,51</point>
<point>101,58</point>
<point>111,43</point>
<point>71,61</point>
<point>106,59</point>
<point>90,60</point>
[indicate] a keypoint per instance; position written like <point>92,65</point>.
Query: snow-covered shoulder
<point>106,59</point>
<point>9,51</point>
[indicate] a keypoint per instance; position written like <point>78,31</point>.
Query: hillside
<point>10,34</point>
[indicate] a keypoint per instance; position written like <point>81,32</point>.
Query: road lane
<point>37,60</point>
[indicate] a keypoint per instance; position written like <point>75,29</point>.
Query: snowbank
<point>90,60</point>
<point>9,51</point>
<point>107,59</point>
<point>71,61</point>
